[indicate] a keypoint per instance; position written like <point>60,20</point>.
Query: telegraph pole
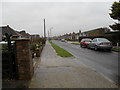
<point>44,29</point>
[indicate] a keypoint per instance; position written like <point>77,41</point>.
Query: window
<point>94,40</point>
<point>103,40</point>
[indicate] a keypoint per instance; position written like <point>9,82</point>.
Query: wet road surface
<point>104,62</point>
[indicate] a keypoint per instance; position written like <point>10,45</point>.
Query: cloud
<point>64,17</point>
<point>59,0</point>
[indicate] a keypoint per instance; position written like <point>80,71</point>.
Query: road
<point>104,62</point>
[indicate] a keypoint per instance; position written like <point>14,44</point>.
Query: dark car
<point>84,42</point>
<point>100,43</point>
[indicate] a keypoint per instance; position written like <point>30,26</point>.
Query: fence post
<point>24,59</point>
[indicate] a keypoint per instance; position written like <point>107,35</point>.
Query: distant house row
<point>70,36</point>
<point>75,36</point>
<point>14,33</point>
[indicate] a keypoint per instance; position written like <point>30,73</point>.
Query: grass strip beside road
<point>60,51</point>
<point>116,49</point>
<point>64,41</point>
<point>76,43</point>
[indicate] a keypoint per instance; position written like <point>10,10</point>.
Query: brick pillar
<point>24,59</point>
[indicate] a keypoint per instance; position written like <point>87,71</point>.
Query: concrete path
<point>56,72</point>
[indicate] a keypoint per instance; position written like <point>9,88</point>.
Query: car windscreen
<point>103,40</point>
<point>87,40</point>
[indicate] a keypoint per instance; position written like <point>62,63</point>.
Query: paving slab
<point>54,71</point>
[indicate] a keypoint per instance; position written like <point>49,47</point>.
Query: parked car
<point>100,43</point>
<point>85,41</point>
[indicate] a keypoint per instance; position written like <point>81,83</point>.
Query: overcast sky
<point>64,17</point>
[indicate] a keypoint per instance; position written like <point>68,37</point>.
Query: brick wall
<point>96,32</point>
<point>24,59</point>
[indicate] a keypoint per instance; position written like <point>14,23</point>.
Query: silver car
<point>100,43</point>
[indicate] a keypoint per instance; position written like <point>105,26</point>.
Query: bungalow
<point>95,32</point>
<point>70,36</point>
<point>35,36</point>
<point>9,30</point>
<point>15,34</point>
<point>24,34</point>
<point>75,36</point>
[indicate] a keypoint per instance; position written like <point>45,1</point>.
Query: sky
<point>61,16</point>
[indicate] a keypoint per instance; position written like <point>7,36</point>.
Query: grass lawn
<point>60,51</point>
<point>116,49</point>
<point>76,43</point>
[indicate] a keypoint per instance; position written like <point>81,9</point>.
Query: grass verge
<point>60,51</point>
<point>64,41</point>
<point>116,49</point>
<point>76,43</point>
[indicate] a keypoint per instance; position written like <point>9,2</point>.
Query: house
<point>71,36</point>
<point>35,36</point>
<point>75,36</point>
<point>15,34</point>
<point>23,34</point>
<point>95,32</point>
<point>9,30</point>
<point>65,36</point>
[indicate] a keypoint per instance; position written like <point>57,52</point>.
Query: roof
<point>9,30</point>
<point>24,34</point>
<point>93,30</point>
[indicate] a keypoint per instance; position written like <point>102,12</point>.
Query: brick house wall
<point>95,32</point>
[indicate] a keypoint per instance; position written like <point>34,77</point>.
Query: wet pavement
<point>54,71</point>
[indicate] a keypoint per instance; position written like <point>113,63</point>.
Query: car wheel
<point>88,46</point>
<point>95,48</point>
<point>81,46</point>
<point>110,50</point>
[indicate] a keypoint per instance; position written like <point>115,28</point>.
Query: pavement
<point>53,71</point>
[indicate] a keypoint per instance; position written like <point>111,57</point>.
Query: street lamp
<point>51,31</point>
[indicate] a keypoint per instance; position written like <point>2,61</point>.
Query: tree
<point>115,14</point>
<point>115,26</point>
<point>115,11</point>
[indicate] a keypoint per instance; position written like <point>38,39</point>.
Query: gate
<point>8,59</point>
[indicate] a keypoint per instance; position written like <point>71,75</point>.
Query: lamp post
<point>48,35</point>
<point>51,31</point>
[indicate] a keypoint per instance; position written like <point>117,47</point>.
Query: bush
<point>38,40</point>
<point>37,45</point>
<point>33,46</point>
<point>4,48</point>
<point>114,37</point>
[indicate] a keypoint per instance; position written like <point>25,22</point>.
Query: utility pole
<point>44,29</point>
